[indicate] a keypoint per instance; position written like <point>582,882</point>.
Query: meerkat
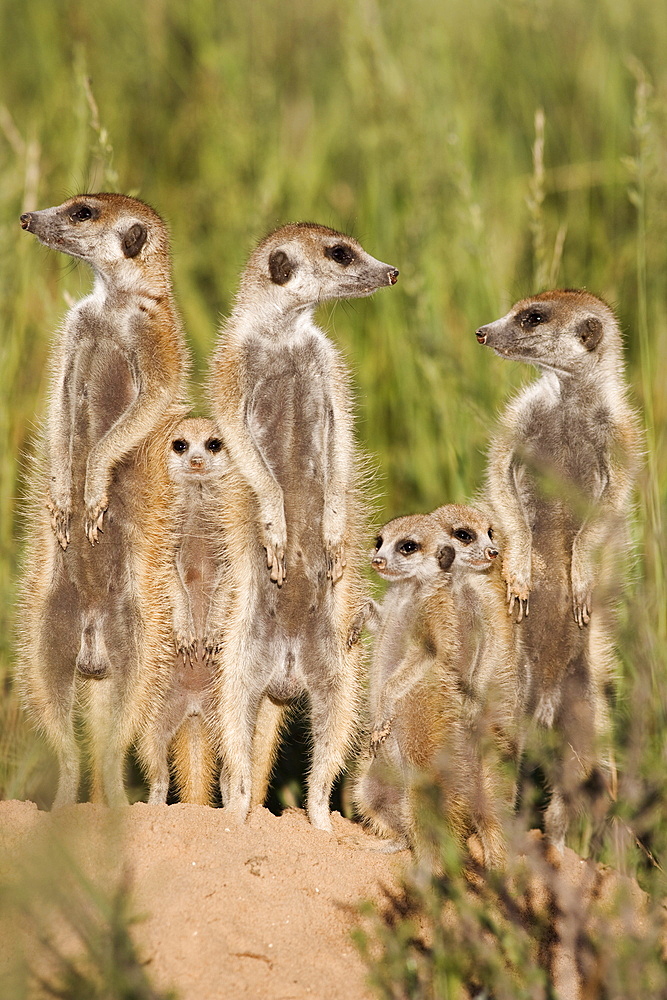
<point>93,614</point>
<point>560,476</point>
<point>293,511</point>
<point>443,684</point>
<point>179,723</point>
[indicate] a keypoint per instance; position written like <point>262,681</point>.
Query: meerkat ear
<point>445,557</point>
<point>590,332</point>
<point>280,267</point>
<point>134,239</point>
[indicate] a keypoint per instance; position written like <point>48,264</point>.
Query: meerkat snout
<point>26,219</point>
<point>481,335</point>
<point>393,275</point>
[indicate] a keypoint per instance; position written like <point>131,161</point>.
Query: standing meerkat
<point>293,512</point>
<point>444,688</point>
<point>560,477</point>
<point>93,615</point>
<point>179,723</point>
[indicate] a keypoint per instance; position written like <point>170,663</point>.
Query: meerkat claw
<point>379,735</point>
<point>59,524</point>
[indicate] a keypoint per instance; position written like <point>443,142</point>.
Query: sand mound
<point>261,911</point>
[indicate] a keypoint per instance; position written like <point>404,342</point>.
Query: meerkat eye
<point>214,445</point>
<point>378,542</point>
<point>464,536</point>
<point>341,254</point>
<point>532,318</point>
<point>179,446</point>
<point>81,214</point>
<point>407,547</point>
<point>490,534</point>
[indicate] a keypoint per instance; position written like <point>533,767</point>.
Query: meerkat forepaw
<point>60,518</point>
<point>581,604</point>
<point>380,733</point>
<point>336,561</point>
<point>94,519</point>
<point>212,646</point>
<point>518,596</point>
<point>186,646</point>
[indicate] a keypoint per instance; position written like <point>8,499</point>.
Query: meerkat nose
<point>393,276</point>
<point>378,562</point>
<point>26,219</point>
<point>481,335</point>
<point>491,553</point>
<point>196,461</point>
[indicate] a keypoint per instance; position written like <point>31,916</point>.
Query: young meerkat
<point>293,510</point>
<point>93,614</point>
<point>444,688</point>
<point>560,477</point>
<point>179,723</point>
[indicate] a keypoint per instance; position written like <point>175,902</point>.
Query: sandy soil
<point>262,911</point>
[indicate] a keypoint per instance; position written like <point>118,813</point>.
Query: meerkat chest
<point>101,379</point>
<point>563,447</point>
<point>290,412</point>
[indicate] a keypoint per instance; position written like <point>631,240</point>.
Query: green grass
<point>485,148</point>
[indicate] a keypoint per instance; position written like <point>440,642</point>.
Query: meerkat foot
<point>380,733</point>
<point>390,845</point>
<point>60,518</point>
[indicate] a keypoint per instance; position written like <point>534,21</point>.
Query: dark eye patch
<point>378,542</point>
<point>180,445</point>
<point>464,535</point>
<point>83,213</point>
<point>531,317</point>
<point>341,254</point>
<point>490,533</point>
<point>214,445</point>
<point>408,546</point>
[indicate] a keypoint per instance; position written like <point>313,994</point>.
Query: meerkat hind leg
<point>332,720</point>
<point>270,719</point>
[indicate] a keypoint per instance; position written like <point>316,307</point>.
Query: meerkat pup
<point>179,723</point>
<point>560,476</point>
<point>94,615</point>
<point>444,687</point>
<point>293,513</point>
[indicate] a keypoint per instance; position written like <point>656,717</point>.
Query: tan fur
<point>445,687</point>
<point>180,724</point>
<point>93,614</point>
<point>560,475</point>
<point>293,512</point>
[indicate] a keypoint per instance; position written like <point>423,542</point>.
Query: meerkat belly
<point>289,425</point>
<point>198,561</point>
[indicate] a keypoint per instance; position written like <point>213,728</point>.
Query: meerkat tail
<point>194,762</point>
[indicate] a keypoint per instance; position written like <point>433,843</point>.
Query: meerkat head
<point>303,263</point>
<point>564,331</point>
<point>113,233</point>
<point>408,548</point>
<point>196,452</point>
<point>469,542</point>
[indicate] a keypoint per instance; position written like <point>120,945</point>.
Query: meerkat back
<point>93,616</point>
<point>294,521</point>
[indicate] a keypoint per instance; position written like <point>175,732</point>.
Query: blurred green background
<point>487,149</point>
